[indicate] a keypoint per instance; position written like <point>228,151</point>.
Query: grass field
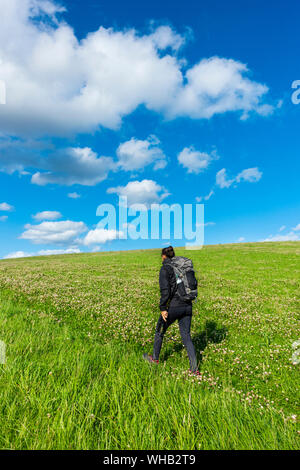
<point>75,327</point>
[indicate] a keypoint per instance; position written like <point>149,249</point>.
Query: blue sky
<point>164,102</point>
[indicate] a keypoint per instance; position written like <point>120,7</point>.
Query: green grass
<point>75,327</point>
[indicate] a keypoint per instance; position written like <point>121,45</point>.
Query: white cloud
<point>291,236</point>
<point>218,85</point>
<point>75,166</point>
<point>164,37</point>
<point>47,215</point>
<point>194,160</point>
<point>100,235</point>
<point>251,175</point>
<point>58,252</point>
<point>65,166</point>
<point>221,179</point>
<point>58,84</point>
<point>74,195</point>
<point>17,254</point>
<point>53,232</point>
<point>209,195</point>
<point>241,239</point>
<point>3,218</point>
<point>136,154</point>
<point>17,154</point>
<point>141,192</point>
<point>206,224</point>
<point>22,254</point>
<point>6,207</point>
<point>283,227</point>
<point>39,7</point>
<point>295,229</point>
<point>206,198</point>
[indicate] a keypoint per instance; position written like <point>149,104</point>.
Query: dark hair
<point>169,252</point>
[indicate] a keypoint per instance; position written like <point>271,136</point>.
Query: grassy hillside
<point>75,327</point>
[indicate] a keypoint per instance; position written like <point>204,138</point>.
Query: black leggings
<point>184,317</point>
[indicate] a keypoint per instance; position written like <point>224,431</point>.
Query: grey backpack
<point>185,277</point>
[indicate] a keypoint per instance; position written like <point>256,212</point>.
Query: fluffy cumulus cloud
<point>222,180</point>
<point>77,165</point>
<point>19,154</point>
<point>46,6</point>
<point>137,154</point>
<point>217,85</point>
<point>144,192</point>
<point>100,235</point>
<point>53,232</point>
<point>74,166</point>
<point>47,215</point>
<point>251,175</point>
<point>56,83</point>
<point>164,37</point>
<point>5,207</point>
<point>195,161</point>
<point>64,166</point>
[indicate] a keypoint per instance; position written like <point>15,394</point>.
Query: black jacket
<point>167,284</point>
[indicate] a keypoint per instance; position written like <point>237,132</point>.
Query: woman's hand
<point>164,315</point>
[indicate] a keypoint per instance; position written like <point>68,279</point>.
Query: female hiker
<point>172,308</point>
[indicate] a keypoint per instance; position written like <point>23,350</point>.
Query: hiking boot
<point>150,359</point>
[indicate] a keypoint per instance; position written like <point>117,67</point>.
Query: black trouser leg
<point>161,328</point>
<point>185,331</point>
<point>184,317</point>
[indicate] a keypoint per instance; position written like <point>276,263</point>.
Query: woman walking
<point>172,308</point>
